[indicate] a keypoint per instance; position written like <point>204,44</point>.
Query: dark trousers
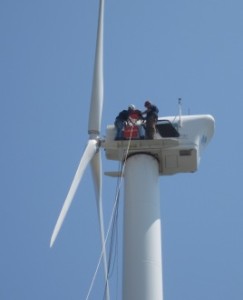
<point>150,128</point>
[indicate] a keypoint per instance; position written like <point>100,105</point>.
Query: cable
<point>115,216</point>
<point>113,251</point>
<point>111,219</point>
<point>114,231</point>
<point>102,253</point>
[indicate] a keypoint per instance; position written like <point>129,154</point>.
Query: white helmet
<point>131,107</point>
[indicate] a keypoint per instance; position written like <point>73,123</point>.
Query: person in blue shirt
<point>121,121</point>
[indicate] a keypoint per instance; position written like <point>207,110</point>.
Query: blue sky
<point>161,50</point>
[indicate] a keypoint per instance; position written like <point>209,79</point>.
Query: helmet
<point>131,107</point>
<point>147,103</point>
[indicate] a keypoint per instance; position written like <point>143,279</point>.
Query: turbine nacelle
<point>178,143</point>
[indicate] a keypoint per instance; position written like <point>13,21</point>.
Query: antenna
<point>180,112</point>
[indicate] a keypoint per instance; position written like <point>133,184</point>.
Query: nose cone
<point>209,127</point>
<point>206,132</point>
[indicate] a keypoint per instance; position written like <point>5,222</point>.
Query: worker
<point>151,118</point>
<point>136,119</point>
<point>122,120</point>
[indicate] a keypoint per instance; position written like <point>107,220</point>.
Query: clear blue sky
<point>154,49</point>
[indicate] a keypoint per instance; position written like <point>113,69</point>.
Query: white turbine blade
<point>96,166</point>
<point>97,177</point>
<point>89,153</point>
<point>96,104</point>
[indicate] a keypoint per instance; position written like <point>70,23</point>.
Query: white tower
<point>177,148</point>
<point>142,260</point>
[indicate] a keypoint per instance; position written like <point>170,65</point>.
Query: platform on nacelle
<point>171,155</point>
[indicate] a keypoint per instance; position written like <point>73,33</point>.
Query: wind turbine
<point>177,148</point>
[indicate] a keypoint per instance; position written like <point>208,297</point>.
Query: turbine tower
<point>177,148</point>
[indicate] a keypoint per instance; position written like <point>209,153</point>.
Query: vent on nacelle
<point>185,152</point>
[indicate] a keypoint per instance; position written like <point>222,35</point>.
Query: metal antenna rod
<point>180,112</point>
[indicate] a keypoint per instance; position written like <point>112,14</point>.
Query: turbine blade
<point>96,166</point>
<point>88,154</point>
<point>96,105</point>
<point>97,177</point>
